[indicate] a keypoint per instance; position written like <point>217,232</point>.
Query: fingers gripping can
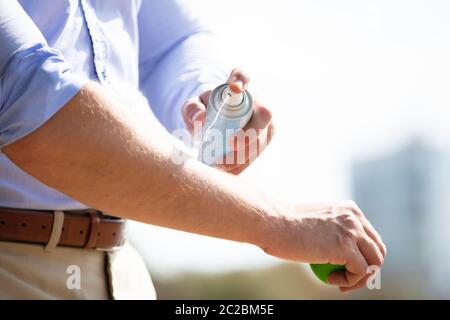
<point>229,110</point>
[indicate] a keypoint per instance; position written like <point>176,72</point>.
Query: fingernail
<point>343,291</point>
<point>237,86</point>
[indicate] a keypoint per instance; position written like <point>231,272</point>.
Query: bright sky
<point>346,80</point>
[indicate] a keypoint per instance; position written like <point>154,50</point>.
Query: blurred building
<point>406,195</point>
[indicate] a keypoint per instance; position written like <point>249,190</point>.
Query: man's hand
<point>249,145</point>
<point>336,233</point>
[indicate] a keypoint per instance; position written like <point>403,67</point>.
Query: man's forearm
<point>117,158</point>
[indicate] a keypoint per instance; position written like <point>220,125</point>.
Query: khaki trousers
<point>27,271</point>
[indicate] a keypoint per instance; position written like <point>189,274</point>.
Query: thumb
<point>193,113</point>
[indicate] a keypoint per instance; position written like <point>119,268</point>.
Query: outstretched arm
<point>120,160</point>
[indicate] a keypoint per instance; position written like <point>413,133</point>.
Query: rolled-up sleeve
<point>178,57</point>
<point>35,80</point>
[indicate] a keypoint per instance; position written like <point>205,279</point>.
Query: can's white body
<point>222,121</point>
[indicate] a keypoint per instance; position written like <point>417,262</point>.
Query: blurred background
<point>360,95</point>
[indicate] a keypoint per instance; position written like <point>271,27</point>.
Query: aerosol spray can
<point>230,108</point>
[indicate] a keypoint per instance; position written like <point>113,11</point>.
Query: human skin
<point>246,147</point>
<point>117,159</point>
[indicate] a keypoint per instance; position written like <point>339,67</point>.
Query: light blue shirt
<point>153,49</point>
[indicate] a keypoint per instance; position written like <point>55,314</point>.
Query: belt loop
<point>93,233</point>
<point>58,222</point>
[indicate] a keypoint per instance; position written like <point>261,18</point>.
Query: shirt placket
<point>98,41</point>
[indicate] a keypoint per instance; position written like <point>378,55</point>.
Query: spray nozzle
<point>233,94</point>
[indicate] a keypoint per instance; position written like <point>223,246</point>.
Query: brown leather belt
<point>83,229</point>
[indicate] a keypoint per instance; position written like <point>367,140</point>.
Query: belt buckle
<point>124,233</point>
